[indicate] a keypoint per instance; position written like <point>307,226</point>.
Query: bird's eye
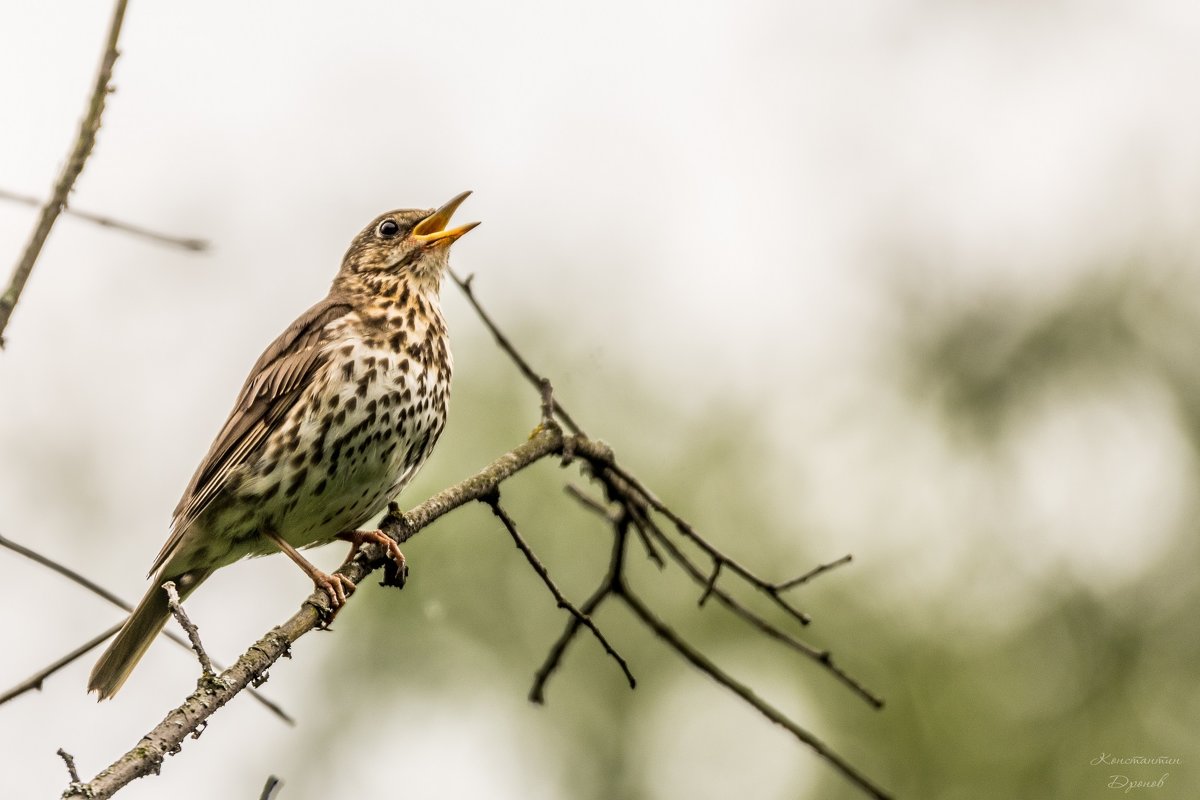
<point>388,229</point>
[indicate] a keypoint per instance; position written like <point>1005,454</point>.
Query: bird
<point>335,418</point>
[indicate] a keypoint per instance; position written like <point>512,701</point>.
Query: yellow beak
<point>432,229</point>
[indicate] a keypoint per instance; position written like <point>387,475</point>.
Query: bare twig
<point>206,667</point>
<point>823,657</point>
<point>537,693</point>
<point>69,760</point>
<point>547,394</point>
<point>271,789</point>
<point>508,348</point>
<point>819,569</point>
<point>187,243</point>
<point>65,571</point>
<point>84,143</point>
<point>589,502</point>
<point>493,501</point>
<point>698,660</point>
<point>624,488</point>
<point>685,528</point>
<point>35,680</point>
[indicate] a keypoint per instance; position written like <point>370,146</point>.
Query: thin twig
<point>685,528</point>
<point>644,525</point>
<point>819,569</point>
<point>273,786</point>
<point>493,501</point>
<point>823,657</point>
<point>547,394</point>
<point>508,348</point>
<point>187,243</point>
<point>69,760</point>
<point>193,632</point>
<point>589,502</point>
<point>35,680</point>
<point>699,661</point>
<point>65,571</point>
<point>84,143</point>
<point>537,693</point>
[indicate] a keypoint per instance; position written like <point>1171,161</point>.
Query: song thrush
<point>336,417</point>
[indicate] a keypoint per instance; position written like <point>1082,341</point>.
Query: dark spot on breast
<point>348,370</point>
<point>296,482</point>
<point>320,487</point>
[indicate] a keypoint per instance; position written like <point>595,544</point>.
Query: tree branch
<point>633,505</point>
<point>187,243</point>
<point>35,681</point>
<point>698,660</point>
<point>493,500</point>
<point>84,143</point>
<point>507,346</point>
<point>168,736</point>
<point>193,633</point>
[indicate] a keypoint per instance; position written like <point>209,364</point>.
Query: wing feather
<point>275,383</point>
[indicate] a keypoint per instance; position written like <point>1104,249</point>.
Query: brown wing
<point>275,382</point>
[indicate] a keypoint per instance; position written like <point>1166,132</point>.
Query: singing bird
<point>333,421</point>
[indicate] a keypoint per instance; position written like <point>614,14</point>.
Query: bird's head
<point>404,245</point>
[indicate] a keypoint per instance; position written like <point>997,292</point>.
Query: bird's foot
<point>337,588</point>
<point>395,572</point>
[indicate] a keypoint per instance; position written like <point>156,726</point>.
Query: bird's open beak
<point>432,229</point>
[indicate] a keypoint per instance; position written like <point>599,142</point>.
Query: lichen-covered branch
<point>192,715</point>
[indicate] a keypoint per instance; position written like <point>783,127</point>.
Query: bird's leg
<point>398,568</point>
<point>337,586</point>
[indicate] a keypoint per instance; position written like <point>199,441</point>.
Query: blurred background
<point>915,281</point>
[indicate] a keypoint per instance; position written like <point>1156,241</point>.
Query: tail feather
<point>134,638</point>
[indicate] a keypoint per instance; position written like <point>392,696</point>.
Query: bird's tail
<point>139,631</point>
